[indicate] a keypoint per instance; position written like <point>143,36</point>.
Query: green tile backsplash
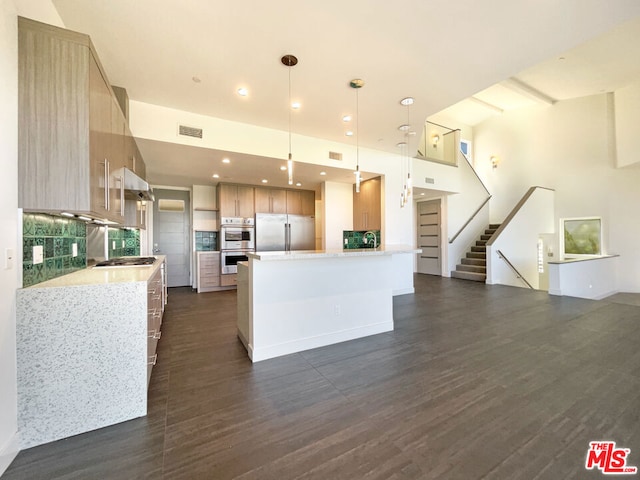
<point>57,236</point>
<point>124,242</point>
<point>354,239</point>
<point>206,241</point>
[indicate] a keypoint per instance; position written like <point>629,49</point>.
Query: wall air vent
<point>335,156</point>
<point>189,131</point>
<point>429,180</point>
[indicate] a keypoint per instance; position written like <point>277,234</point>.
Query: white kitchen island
<point>294,301</point>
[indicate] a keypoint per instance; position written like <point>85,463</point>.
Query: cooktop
<point>127,262</point>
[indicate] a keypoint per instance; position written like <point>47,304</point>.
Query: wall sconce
<point>434,140</point>
<point>494,161</point>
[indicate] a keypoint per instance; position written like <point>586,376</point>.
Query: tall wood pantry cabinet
<point>71,129</point>
<point>367,205</point>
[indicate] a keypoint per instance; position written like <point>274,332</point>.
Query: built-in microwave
<point>229,260</point>
<point>237,238</point>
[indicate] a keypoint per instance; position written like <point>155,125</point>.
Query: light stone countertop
<point>104,275</point>
<point>333,253</point>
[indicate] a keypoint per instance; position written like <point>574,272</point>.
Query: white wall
<point>627,115</point>
<point>10,237</point>
<point>160,123</point>
<point>565,147</point>
<point>338,212</point>
<point>42,10</point>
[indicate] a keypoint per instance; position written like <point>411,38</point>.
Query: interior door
<point>429,237</point>
<point>171,234</point>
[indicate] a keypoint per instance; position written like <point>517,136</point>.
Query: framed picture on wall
<point>581,237</point>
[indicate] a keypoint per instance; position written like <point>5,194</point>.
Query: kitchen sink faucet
<point>375,239</point>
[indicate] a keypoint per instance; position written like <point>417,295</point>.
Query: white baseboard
<point>9,451</point>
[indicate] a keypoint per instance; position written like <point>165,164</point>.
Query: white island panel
<point>312,301</point>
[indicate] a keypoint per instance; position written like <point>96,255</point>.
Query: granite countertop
<point>333,253</point>
<point>104,275</point>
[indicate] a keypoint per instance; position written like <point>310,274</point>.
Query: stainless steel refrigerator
<point>278,232</point>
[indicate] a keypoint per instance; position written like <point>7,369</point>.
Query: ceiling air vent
<point>429,180</point>
<point>189,131</point>
<point>335,156</point>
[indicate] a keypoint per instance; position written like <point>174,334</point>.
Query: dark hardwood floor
<point>475,382</point>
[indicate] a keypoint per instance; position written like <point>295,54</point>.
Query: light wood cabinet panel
<point>204,197</point>
<point>367,212</point>
<point>308,200</point>
<point>294,202</point>
<point>66,125</point>
<point>208,269</point>
<point>236,201</point>
<point>270,200</point>
<point>117,162</point>
<point>229,280</point>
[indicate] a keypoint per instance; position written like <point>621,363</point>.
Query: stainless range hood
<point>136,187</point>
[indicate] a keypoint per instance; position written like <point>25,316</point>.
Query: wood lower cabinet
<point>367,205</point>
<point>208,268</point>
<point>229,280</point>
<point>71,132</point>
<point>155,309</point>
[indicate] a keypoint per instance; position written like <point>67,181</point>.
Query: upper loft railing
<point>439,144</point>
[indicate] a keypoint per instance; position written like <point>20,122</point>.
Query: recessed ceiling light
<point>346,118</point>
<point>226,160</point>
<point>283,168</point>
<point>404,127</point>
<point>407,101</point>
<point>295,105</point>
<point>264,180</point>
<point>196,79</point>
<point>298,184</point>
<point>323,173</point>
<point>349,133</point>
<point>243,92</point>
<point>215,175</point>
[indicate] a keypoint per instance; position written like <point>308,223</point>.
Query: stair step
<point>489,231</point>
<point>472,268</point>
<point>494,226</point>
<point>481,243</point>
<point>477,248</point>
<point>474,261</point>
<point>476,277</point>
<point>486,237</point>
<point>482,255</point>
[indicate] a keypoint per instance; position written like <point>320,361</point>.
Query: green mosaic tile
<point>50,269</point>
<point>28,225</point>
<point>28,274</point>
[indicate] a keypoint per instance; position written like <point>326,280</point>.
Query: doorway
<point>171,229</point>
<point>429,237</point>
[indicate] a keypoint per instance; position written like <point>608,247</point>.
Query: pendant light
<point>357,84</point>
<point>289,61</point>
<point>406,189</point>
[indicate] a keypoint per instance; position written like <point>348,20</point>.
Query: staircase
<point>474,266</point>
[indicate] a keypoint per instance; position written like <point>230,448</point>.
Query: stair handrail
<point>514,212</point>
<point>452,239</point>
<point>473,215</point>
<point>515,270</point>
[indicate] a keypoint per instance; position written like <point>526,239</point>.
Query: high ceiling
<point>438,52</point>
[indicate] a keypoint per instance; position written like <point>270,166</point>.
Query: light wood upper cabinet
<point>69,135</point>
<point>308,202</point>
<point>271,200</point>
<point>204,197</point>
<point>236,200</point>
<point>367,205</point>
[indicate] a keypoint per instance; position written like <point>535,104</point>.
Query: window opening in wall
<point>170,205</point>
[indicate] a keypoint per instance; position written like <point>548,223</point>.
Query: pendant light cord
<point>289,108</point>
<point>357,130</point>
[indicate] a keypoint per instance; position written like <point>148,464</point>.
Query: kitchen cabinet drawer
<point>208,271</point>
<point>228,280</point>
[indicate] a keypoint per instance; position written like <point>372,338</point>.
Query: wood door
<point>429,260</point>
<point>308,202</point>
<point>228,199</point>
<point>99,137</point>
<point>294,202</point>
<point>246,207</point>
